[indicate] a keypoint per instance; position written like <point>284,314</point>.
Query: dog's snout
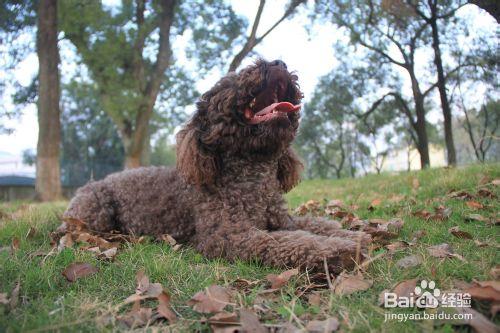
<point>278,63</point>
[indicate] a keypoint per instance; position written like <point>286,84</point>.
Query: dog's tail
<point>94,205</point>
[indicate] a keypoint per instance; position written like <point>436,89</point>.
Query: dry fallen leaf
<point>455,231</point>
<point>375,203</point>
<point>78,270</point>
<point>476,217</point>
<point>15,244</point>
<point>474,205</point>
<point>405,288</point>
<point>485,291</point>
<point>108,254</point>
<point>31,233</point>
<point>14,296</point>
<point>323,326</point>
<point>348,284</point>
<point>250,322</point>
<point>485,193</point>
<point>463,195</point>
<point>418,234</point>
<point>4,299</point>
<point>278,281</point>
<point>496,182</point>
<point>396,246</point>
<point>65,241</point>
<point>164,307</point>
<point>168,239</point>
<point>314,299</point>
<point>443,251</point>
<point>409,261</point>
<point>479,323</point>
<point>137,317</point>
<point>213,299</point>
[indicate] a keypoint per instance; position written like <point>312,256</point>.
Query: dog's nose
<point>278,63</point>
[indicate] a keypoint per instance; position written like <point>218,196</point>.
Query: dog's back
<point>142,201</point>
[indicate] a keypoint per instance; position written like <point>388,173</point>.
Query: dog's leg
<point>325,227</point>
<point>297,249</point>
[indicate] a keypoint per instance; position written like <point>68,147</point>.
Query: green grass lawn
<point>47,302</point>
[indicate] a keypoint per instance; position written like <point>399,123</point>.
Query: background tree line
<point>128,89</point>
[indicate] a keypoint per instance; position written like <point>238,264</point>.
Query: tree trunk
<point>420,125</point>
<point>441,84</point>
<point>48,178</point>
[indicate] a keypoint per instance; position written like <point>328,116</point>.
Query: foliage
<point>91,148</point>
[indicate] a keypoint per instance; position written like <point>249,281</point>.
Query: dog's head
<point>253,114</point>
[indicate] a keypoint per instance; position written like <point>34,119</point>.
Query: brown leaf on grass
<point>485,193</point>
<point>334,203</point>
<point>474,205</point>
<point>144,288</point>
<point>476,217</point>
<point>65,241</point>
<point>418,234</point>
<point>348,284</point>
<point>31,233</point>
<point>137,317</point>
<point>409,261</point>
<point>495,182</point>
<point>443,251</point>
<point>462,195</point>
<point>314,299</point>
<point>424,214</point>
<point>278,281</point>
<point>14,245</point>
<point>14,296</point>
<point>485,291</point>
<point>478,322</point>
<point>164,307</point>
<point>250,322</point>
<point>396,246</point>
<point>213,299</point>
<point>441,213</point>
<point>323,326</point>
<point>167,239</point>
<point>480,244</point>
<point>455,231</point>
<point>375,203</point>
<point>495,272</point>
<point>224,317</point>
<point>78,270</point>
<point>405,288</point>
<point>244,284</point>
<point>108,254</point>
<point>4,299</point>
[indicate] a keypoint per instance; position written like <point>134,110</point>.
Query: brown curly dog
<point>225,198</point>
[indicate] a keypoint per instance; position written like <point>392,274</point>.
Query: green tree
<point>128,49</point>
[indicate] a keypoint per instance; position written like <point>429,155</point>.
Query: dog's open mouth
<point>275,110</point>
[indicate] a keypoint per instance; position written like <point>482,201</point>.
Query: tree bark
<point>48,178</point>
<point>420,124</point>
<point>135,139</point>
<point>441,84</point>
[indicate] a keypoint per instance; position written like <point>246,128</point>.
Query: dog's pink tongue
<point>281,106</point>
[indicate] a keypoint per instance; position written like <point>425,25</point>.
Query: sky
<point>309,54</point>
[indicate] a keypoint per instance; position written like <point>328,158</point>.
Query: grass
<point>49,303</point>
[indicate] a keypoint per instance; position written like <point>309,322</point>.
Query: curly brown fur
<point>225,197</point>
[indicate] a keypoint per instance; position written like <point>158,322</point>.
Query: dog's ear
<point>197,165</point>
<point>289,169</point>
